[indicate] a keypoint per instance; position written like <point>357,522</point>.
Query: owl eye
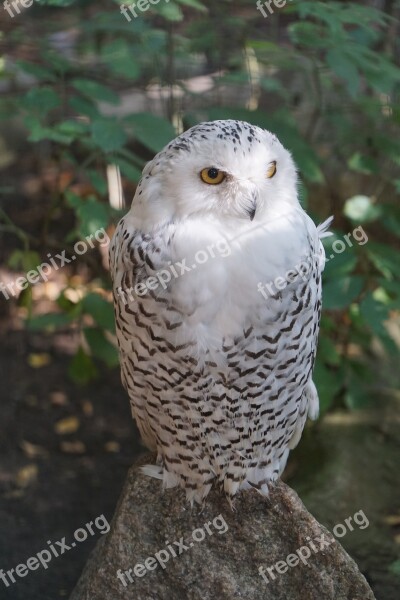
<point>271,169</point>
<point>212,176</point>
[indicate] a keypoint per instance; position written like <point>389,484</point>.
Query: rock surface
<point>218,552</point>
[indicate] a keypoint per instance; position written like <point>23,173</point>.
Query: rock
<point>165,550</point>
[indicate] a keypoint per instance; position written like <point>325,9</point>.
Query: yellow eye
<point>212,176</point>
<point>271,169</point>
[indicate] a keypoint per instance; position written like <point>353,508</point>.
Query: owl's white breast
<point>227,260</point>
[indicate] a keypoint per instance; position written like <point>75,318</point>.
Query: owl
<point>216,275</point>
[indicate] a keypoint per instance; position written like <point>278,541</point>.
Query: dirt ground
<point>52,484</point>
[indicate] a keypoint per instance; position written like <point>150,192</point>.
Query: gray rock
<point>217,551</point>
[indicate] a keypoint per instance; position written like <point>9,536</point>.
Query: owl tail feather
<point>155,471</point>
<point>310,402</point>
<point>322,228</point>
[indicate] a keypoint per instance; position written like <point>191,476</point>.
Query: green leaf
<point>41,99</point>
<point>65,132</point>
<point>394,567</point>
<point>388,145</point>
<point>60,3</point>
<point>108,134</point>
<point>48,322</point>
<point>339,265</point>
<point>36,70</point>
<point>340,257</point>
<point>57,61</point>
<point>82,369</point>
<point>27,260</point>
<point>363,164</point>
<point>95,91</point>
<point>130,171</point>
<point>391,289</point>
<point>328,384</point>
<point>383,294</point>
<point>150,130</point>
<point>340,293</point>
<point>307,34</point>
<point>328,324</point>
<point>358,377</point>
<point>384,260</point>
<point>327,352</point>
<point>112,22</point>
<point>73,200</point>
<point>375,313</point>
<point>381,74</point>
<point>194,4</point>
<point>356,397</point>
<point>73,309</point>
<point>98,181</point>
<point>272,84</point>
<point>119,58</point>
<point>100,310</point>
<point>101,347</point>
<point>39,133</point>
<point>344,67</point>
<point>84,107</point>
<point>391,219</point>
<point>360,209</point>
<point>170,11</point>
<point>92,214</point>
<point>25,299</point>
<point>73,128</point>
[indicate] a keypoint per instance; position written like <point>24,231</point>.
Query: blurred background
<point>84,90</point>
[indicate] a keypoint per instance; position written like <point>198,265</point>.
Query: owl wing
<point>135,260</point>
<point>309,406</point>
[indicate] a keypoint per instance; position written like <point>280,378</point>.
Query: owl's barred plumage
<point>219,375</point>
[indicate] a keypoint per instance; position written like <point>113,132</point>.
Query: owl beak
<point>251,211</point>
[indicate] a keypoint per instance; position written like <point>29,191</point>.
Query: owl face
<point>225,169</point>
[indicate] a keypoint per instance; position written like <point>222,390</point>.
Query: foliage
<point>324,80</point>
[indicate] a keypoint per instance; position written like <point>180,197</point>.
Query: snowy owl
<point>216,275</point>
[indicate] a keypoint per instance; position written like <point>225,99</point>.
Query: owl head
<point>224,169</point>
